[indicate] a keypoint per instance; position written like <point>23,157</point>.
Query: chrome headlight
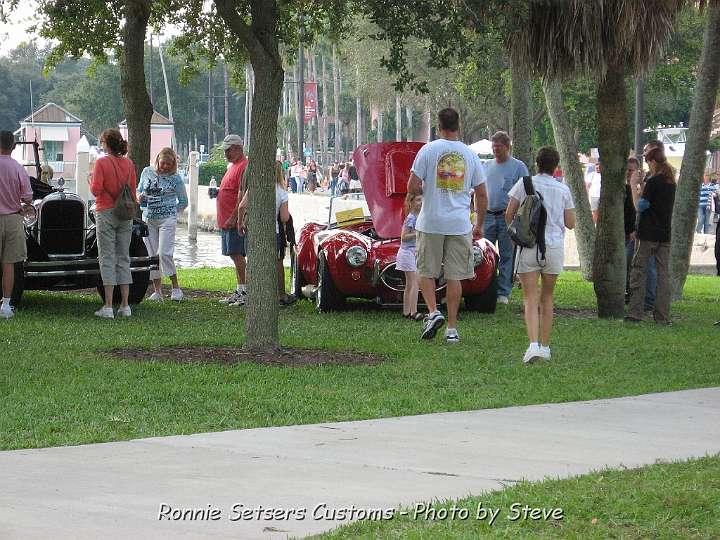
<point>356,256</point>
<point>29,215</point>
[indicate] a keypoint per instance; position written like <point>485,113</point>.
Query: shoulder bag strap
<point>527,182</point>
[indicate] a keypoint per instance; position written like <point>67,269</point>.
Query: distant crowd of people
<point>337,177</point>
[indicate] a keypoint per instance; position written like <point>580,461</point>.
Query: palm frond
<point>562,39</point>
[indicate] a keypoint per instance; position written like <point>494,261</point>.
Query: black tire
<point>296,280</point>
<point>327,297</point>
<point>485,302</point>
<point>18,284</point>
<point>141,280</point>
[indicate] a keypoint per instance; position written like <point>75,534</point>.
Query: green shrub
<point>209,169</point>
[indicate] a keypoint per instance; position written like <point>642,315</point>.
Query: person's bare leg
<point>412,291</point>
<point>454,293</point>
<point>124,295</point>
<point>530,297</point>
<point>174,281</point>
<point>109,291</point>
<point>546,307</point>
<point>157,285</point>
<point>239,262</point>
<point>427,286</point>
<point>8,279</point>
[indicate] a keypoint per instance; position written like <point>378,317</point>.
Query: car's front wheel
<point>486,302</point>
<point>327,297</point>
<point>141,280</point>
<point>18,283</point>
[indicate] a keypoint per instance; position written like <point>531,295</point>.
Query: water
<point>206,252</point>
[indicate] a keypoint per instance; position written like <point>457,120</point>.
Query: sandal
<point>417,316</point>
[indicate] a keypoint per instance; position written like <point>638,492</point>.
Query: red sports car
<point>352,255</point>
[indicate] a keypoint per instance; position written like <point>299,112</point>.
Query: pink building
<point>58,133</point>
<point>162,132</point>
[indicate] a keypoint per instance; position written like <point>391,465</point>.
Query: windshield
<point>348,209</point>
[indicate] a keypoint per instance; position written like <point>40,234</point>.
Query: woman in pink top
<point>110,174</point>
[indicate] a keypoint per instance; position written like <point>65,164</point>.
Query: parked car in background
<point>62,246</point>
<point>352,254</point>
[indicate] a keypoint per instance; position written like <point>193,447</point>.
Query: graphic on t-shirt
<point>451,172</point>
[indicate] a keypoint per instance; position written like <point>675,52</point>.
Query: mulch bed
<point>232,355</point>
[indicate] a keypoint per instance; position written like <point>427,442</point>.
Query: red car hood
<point>384,170</point>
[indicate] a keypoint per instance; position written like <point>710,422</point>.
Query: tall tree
<point>693,164</point>
<point>564,39</point>
<point>93,28</point>
<point>572,169</point>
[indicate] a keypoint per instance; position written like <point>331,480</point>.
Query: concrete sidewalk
<point>117,490</point>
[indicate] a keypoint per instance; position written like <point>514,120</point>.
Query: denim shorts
<point>233,243</point>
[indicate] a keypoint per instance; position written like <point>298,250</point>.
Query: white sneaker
<point>433,322</point>
<point>231,299</point>
<point>532,354</point>
<point>6,312</point>
<point>124,311</point>
<point>176,295</point>
<point>240,299</point>
<point>105,313</point>
<point>452,336</point>
<point>545,353</point>
<point>155,297</point>
<point>503,300</point>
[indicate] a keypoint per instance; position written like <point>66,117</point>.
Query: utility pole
<point>150,78</point>
<point>301,95</point>
<point>210,96</point>
<point>227,100</point>
<point>639,117</point>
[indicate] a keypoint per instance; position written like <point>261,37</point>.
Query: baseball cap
<point>232,140</point>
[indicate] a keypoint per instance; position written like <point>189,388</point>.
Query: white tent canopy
<point>481,147</point>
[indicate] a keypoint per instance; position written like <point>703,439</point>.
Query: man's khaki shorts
<point>527,261</point>
<point>447,254</point>
<point>12,239</point>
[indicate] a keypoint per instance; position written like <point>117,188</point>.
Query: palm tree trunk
<point>609,261</point>
<point>136,101</point>
<point>336,102</point>
<point>573,171</point>
<point>323,119</point>
<point>693,165</point>
<point>521,123</point>
<point>260,41</point>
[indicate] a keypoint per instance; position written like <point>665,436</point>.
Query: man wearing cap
<point>229,197</point>
<point>14,190</point>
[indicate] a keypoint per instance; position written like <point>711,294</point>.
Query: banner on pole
<point>311,96</point>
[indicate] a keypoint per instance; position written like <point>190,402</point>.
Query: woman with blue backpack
<point>544,207</point>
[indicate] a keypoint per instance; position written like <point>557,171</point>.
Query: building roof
<point>52,114</point>
<point>157,119</point>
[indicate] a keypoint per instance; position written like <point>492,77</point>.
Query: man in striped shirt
<point>705,209</point>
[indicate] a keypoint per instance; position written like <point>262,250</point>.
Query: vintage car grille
<point>62,227</point>
<point>394,279</point>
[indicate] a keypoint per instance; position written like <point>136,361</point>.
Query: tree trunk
<point>358,110</point>
<point>260,41</point>
<point>573,171</point>
<point>136,101</point>
<point>609,272</point>
<point>520,119</point>
<point>336,103</point>
<point>693,164</point>
<point>398,118</point>
<point>410,129</point>
<point>227,98</point>
<point>323,119</point>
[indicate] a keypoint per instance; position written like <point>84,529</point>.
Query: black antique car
<point>62,249</point>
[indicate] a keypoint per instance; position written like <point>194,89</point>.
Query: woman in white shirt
<point>560,210</point>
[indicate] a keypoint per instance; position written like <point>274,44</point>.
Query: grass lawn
<point>59,385</point>
<point>678,500</point>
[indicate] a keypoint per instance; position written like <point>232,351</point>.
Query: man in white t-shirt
<point>592,184</point>
<point>445,171</point>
